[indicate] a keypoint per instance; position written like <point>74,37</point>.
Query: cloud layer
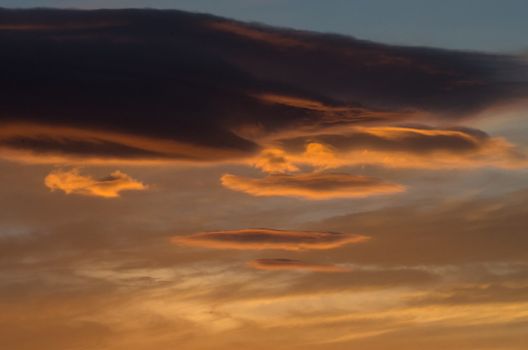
<point>72,182</point>
<point>146,84</point>
<point>313,186</point>
<point>37,143</point>
<point>260,239</point>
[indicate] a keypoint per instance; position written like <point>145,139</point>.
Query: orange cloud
<point>275,160</point>
<point>311,186</point>
<point>261,239</point>
<point>37,143</point>
<point>71,182</point>
<point>398,146</point>
<point>293,265</point>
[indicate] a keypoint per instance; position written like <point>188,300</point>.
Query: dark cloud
<point>311,185</point>
<point>207,83</point>
<point>260,239</point>
<point>371,73</point>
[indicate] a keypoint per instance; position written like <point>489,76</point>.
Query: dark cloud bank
<point>208,84</point>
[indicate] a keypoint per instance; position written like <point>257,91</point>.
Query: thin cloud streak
<point>283,264</point>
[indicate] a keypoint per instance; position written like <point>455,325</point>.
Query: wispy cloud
<point>282,264</point>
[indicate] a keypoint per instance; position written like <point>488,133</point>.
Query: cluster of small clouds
<point>280,114</point>
<point>305,109</point>
<point>415,147</point>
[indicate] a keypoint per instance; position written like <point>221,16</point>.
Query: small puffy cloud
<point>283,264</point>
<point>274,160</point>
<point>314,186</point>
<point>261,239</point>
<point>72,182</point>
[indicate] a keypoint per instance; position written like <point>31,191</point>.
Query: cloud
<point>314,186</point>
<point>127,83</point>
<point>390,146</point>
<point>275,160</point>
<point>282,264</point>
<point>36,143</point>
<point>72,182</point>
<point>261,239</point>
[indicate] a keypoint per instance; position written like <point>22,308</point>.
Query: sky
<point>322,179</point>
<point>483,25</point>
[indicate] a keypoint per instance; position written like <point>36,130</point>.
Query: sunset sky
<point>263,174</point>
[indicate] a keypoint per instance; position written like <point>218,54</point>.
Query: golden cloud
<point>282,264</point>
<point>39,143</point>
<point>314,186</point>
<point>392,146</point>
<point>72,182</point>
<point>262,239</point>
<point>275,160</point>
